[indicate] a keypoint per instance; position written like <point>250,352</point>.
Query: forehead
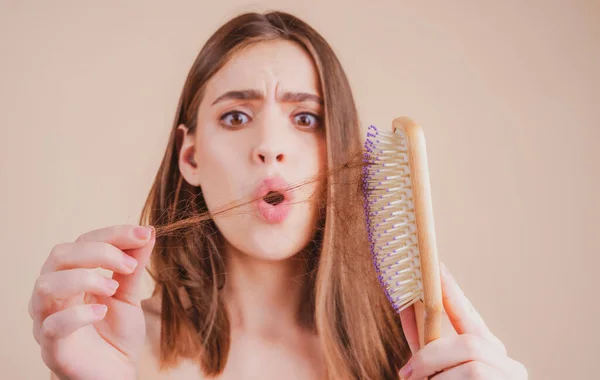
<point>284,65</point>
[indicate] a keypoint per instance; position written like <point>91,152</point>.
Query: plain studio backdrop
<point>508,93</point>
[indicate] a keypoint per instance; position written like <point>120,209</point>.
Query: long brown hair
<point>359,331</point>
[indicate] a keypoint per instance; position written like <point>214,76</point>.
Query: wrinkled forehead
<point>281,66</point>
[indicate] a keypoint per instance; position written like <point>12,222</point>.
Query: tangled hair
<point>359,331</point>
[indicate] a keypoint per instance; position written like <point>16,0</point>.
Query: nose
<point>270,139</point>
<point>268,153</point>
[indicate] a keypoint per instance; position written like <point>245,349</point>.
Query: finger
<point>470,371</point>
<point>128,289</point>
<point>122,237</point>
<point>463,316</point>
<point>452,351</point>
<point>30,307</point>
<point>54,286</point>
<point>37,324</point>
<point>409,326</point>
<point>89,255</point>
<point>65,322</point>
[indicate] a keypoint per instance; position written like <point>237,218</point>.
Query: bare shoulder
<point>148,368</point>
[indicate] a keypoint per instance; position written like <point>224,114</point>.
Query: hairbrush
<point>399,214</point>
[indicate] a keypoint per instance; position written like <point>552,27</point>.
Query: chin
<point>270,242</point>
<point>273,244</point>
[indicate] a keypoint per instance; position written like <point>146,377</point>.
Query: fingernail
<point>112,284</point>
<point>142,233</point>
<point>130,262</point>
<point>100,310</point>
<point>405,372</point>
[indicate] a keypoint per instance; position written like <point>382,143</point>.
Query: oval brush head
<point>400,222</point>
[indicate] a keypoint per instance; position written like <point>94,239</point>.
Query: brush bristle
<point>390,216</point>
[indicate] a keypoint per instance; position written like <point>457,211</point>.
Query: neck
<point>261,295</point>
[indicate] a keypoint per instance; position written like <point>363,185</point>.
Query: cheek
<point>311,153</point>
<point>316,157</point>
<point>220,170</point>
<point>312,168</point>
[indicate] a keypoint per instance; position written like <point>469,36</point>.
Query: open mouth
<point>274,198</point>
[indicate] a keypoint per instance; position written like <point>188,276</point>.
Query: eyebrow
<point>288,97</point>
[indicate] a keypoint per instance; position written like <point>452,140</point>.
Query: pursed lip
<point>273,184</point>
<point>273,213</point>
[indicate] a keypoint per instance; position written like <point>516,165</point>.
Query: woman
<point>259,254</point>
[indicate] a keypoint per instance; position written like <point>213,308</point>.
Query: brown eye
<point>306,120</point>
<point>234,119</point>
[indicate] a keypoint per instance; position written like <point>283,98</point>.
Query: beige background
<point>508,92</point>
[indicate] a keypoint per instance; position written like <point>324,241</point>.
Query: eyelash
<point>317,118</point>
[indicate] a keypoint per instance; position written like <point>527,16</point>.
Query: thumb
<point>409,326</point>
<point>129,283</point>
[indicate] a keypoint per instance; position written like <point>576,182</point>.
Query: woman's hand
<point>474,354</point>
<point>87,325</point>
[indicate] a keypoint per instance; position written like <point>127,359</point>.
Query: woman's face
<point>260,130</point>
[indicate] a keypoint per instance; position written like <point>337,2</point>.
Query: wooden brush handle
<point>431,308</point>
<point>428,324</point>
